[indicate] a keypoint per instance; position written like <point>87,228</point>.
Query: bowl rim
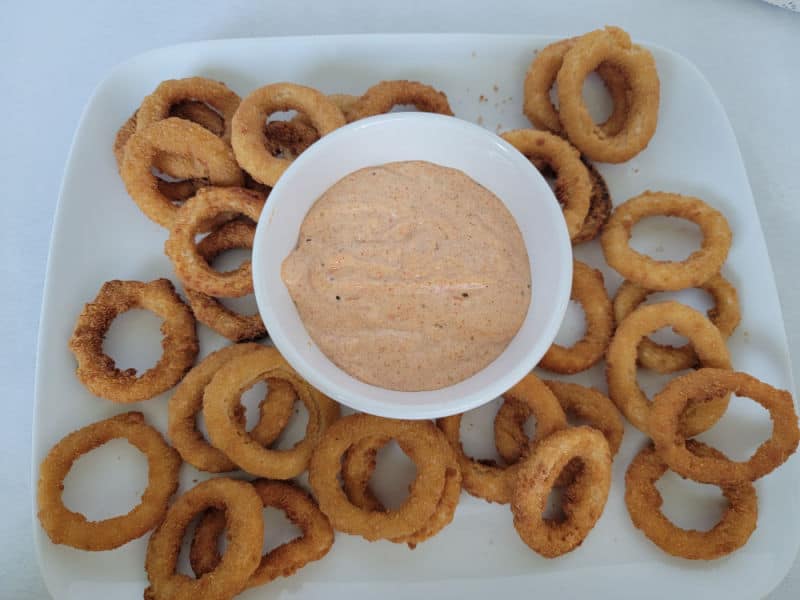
<point>284,342</point>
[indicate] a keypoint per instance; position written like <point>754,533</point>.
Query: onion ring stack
<point>420,513</point>
<point>315,541</point>
<point>221,401</point>
<point>249,139</point>
<point>208,309</point>
<point>490,481</point>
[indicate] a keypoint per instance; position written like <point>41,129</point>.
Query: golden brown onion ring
<point>98,372</point>
<point>644,501</point>
<point>705,385</point>
<point>582,502</point>
<point>621,362</point>
<point>64,526</point>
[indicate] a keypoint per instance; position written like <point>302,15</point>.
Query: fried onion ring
<point>584,402</point>
<point>214,94</point>
<point>345,102</point>
<point>423,443</point>
<point>208,205</point>
<point>667,359</point>
<point>485,479</point>
<point>653,274</point>
<point>187,401</point>
<point>611,46</point>
<point>97,371</point>
<point>209,310</point>
<point>573,184</point>
<point>589,290</point>
<point>357,468</point>
<point>384,96</point>
<point>644,502</point>
<point>244,521</point>
<point>621,363</point>
<point>314,542</point>
<point>226,432</point>
<point>64,526</point>
<point>248,139</point>
<point>706,384</point>
<point>175,191</point>
<point>211,160</point>
<point>541,77</point>
<point>583,501</point>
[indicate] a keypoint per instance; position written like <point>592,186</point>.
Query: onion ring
<point>573,184</point>
<point>226,432</point>
<point>725,315</point>
<point>209,310</point>
<point>175,191</point>
<point>384,96</point>
<point>423,443</point>
<point>212,159</point>
<point>621,363</point>
<point>97,371</point>
<point>64,526</point>
<point>485,479</point>
<point>541,76</point>
<point>584,499</point>
<point>707,384</point>
<point>638,68</point>
<point>216,95</point>
<point>583,402</point>
<point>245,523</point>
<point>187,401</point>
<point>589,290</point>
<point>357,468</point>
<point>345,102</point>
<point>208,205</point>
<point>248,139</point>
<point>314,542</point>
<point>644,501</point>
<point>653,274</point>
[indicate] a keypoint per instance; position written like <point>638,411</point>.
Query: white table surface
<point>53,54</point>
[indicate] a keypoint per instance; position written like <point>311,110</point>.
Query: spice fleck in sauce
<point>409,275</point>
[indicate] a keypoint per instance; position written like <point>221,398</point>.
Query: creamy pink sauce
<point>410,276</point>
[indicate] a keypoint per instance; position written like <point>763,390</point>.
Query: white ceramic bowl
<point>447,141</point>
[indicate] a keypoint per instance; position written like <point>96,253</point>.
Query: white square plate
<point>99,234</point>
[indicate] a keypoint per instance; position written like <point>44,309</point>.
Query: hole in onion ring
<point>394,473</point>
<point>295,429</point>
<point>573,327</point>
<point>117,491</point>
<point>694,297</point>
<point>230,260</point>
<point>251,398</point>
<point>652,382</point>
<point>666,238</point>
<point>278,529</point>
<point>134,340</point>
<point>741,430</point>
<point>475,439</point>
<point>184,567</point>
<point>245,306</point>
<point>530,426</point>
<point>283,115</point>
<point>554,509</point>
<point>595,96</point>
<point>690,505</point>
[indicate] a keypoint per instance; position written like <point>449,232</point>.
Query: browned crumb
<point>480,119</point>
<point>496,88</point>
<point>482,98</point>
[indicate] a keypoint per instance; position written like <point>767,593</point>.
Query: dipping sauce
<point>409,275</point>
